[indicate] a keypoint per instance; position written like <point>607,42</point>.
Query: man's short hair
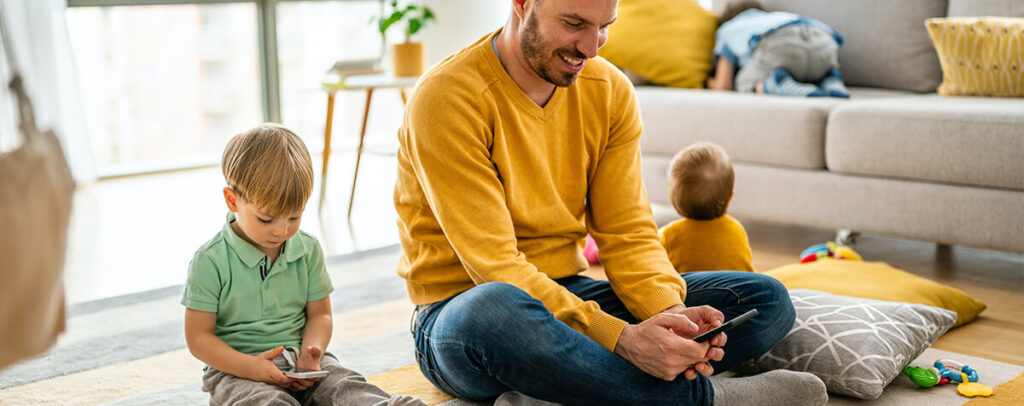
<point>700,181</point>
<point>269,166</point>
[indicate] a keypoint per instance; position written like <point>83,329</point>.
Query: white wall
<point>459,23</point>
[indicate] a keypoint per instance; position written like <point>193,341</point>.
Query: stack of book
<point>342,70</point>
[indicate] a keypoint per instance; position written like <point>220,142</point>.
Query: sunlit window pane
<point>312,35</point>
<point>165,86</point>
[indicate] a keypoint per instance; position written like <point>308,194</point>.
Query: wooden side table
<point>369,83</point>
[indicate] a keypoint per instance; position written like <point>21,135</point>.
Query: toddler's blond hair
<point>269,167</point>
<point>700,181</point>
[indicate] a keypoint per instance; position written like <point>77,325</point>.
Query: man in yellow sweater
<point>511,150</point>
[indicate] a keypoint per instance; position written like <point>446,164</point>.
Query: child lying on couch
<point>776,53</point>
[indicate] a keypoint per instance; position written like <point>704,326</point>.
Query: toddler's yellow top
<point>719,244</point>
<point>494,188</point>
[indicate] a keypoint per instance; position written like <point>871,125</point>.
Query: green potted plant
<point>407,56</point>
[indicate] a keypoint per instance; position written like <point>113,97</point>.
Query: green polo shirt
<point>255,314</point>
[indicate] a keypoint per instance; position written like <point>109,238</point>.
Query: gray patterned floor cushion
<point>856,346</point>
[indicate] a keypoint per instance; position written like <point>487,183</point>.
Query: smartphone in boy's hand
<point>303,373</point>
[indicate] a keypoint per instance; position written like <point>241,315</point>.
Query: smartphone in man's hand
<point>726,326</point>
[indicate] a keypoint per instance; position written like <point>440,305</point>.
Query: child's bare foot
<point>309,359</point>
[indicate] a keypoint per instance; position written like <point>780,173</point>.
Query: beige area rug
<point>131,351</point>
<point>904,392</point>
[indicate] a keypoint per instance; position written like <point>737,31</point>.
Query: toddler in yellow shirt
<point>706,238</point>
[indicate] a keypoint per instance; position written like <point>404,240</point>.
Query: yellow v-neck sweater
<point>494,188</point>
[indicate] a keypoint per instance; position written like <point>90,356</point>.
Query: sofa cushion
<point>668,42</point>
<point>886,44</point>
<point>774,130</point>
<point>966,140</point>
<point>977,8</point>
<point>980,56</point>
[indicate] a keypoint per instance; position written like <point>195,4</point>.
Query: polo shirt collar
<point>250,255</point>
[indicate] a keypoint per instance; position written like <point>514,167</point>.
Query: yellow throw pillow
<point>879,281</point>
<point>980,56</point>
<point>668,42</point>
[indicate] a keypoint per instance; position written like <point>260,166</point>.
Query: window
<point>311,36</point>
<point>165,86</point>
<point>165,83</point>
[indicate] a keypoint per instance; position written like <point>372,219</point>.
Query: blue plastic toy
<point>951,370</point>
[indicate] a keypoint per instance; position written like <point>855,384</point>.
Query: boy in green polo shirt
<point>258,295</point>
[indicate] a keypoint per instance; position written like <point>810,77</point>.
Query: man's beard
<point>536,57</point>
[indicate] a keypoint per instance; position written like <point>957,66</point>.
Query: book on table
<point>342,70</point>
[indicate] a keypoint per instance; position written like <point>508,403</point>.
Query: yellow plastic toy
<point>972,389</point>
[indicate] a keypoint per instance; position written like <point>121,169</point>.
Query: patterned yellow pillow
<point>668,42</point>
<point>980,56</point>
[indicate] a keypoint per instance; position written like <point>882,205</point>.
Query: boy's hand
<point>308,359</point>
<point>262,369</point>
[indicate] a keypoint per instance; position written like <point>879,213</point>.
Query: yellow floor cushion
<point>879,281</point>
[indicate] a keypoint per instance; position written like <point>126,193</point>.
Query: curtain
<point>38,38</point>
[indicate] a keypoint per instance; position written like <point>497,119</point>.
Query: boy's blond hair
<point>700,181</point>
<point>269,167</point>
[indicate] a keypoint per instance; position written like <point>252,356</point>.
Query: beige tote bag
<point>35,206</point>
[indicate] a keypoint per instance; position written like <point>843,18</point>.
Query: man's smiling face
<point>558,36</point>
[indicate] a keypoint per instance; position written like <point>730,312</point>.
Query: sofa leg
<point>944,254</point>
<point>847,237</point>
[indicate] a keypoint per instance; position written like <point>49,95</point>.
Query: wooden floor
<point>994,278</point>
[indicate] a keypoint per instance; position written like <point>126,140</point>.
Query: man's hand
<point>308,359</point>
<point>660,346</point>
<point>706,318</point>
<point>262,369</point>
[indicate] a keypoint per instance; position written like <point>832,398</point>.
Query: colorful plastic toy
<point>590,251</point>
<point>924,378</point>
<point>972,389</point>
<point>826,251</point>
<point>943,372</point>
<point>953,371</point>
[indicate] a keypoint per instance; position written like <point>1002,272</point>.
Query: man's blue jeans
<point>495,337</point>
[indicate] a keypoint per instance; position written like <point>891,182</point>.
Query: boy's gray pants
<point>342,387</point>
<point>806,52</point>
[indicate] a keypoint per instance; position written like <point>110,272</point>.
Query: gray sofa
<point>895,159</point>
